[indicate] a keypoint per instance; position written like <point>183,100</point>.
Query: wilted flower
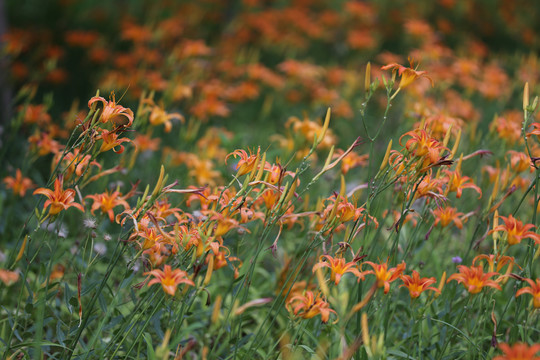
<point>90,223</point>
<point>100,248</point>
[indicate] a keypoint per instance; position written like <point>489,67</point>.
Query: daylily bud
<point>341,194</point>
<point>535,103</point>
<point>209,271</point>
<point>159,184</point>
<point>441,284</point>
<point>526,97</point>
<point>365,332</point>
<point>329,158</point>
<point>322,282</point>
<point>325,126</point>
<point>495,233</point>
<point>254,171</point>
<point>386,156</point>
<point>447,136</point>
<point>290,194</point>
<point>261,168</point>
<point>216,311</point>
<point>367,83</point>
<point>456,144</point>
<point>21,251</point>
<point>162,351</point>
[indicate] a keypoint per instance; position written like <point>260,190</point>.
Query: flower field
<point>254,179</point>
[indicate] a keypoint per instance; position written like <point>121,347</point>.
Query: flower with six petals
<point>169,279</point>
<point>408,74</point>
<point>116,114</point>
<point>384,275</point>
<point>59,199</point>
<point>338,267</point>
<point>417,285</point>
<point>516,231</point>
<point>308,306</point>
<point>18,184</point>
<point>474,278</point>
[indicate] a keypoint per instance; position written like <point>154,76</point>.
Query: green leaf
<point>102,303</point>
<point>308,349</point>
<point>399,354</point>
<point>151,354</point>
<point>67,296</point>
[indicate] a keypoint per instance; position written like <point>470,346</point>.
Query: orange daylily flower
<point>518,351</point>
<point>446,215</point>
<point>18,184</point>
<point>44,144</point>
<point>36,114</point>
<point>422,145</point>
<point>384,275</point>
<point>8,277</point>
<point>533,289</point>
<point>116,114</point>
<point>223,224</point>
<point>519,161</point>
<point>246,162</point>
<point>203,170</point>
<point>408,74</point>
<point>498,260</point>
<point>107,202</point>
<point>169,279</point>
<point>457,182</point>
<point>308,129</point>
<point>309,306</point>
<point>74,162</point>
<point>516,231</point>
<point>270,197</point>
<point>210,106</point>
<point>417,285</point>
<point>508,126</point>
<point>145,143</point>
<point>344,212</point>
<point>159,116</point>
<point>535,130</point>
<point>428,187</point>
<point>338,268</point>
<point>474,279</point>
<point>351,161</point>
<point>265,75</point>
<point>276,172</point>
<point>111,140</point>
<point>59,199</point>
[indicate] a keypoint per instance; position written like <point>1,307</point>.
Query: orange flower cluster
<point>165,62</point>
